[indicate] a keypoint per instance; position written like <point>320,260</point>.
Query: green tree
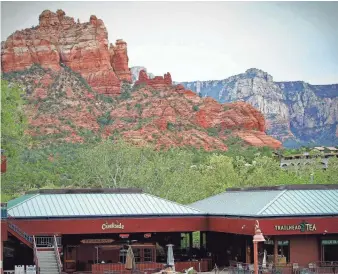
<point>13,119</point>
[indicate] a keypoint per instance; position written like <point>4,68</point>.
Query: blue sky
<point>210,40</point>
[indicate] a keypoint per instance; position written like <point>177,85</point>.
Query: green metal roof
<point>63,205</point>
<point>273,203</point>
<point>19,200</point>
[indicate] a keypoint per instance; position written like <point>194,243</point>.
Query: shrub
<point>127,119</point>
<point>139,108</point>
<point>170,126</point>
<point>138,87</point>
<point>212,131</point>
<point>105,119</point>
<point>105,98</point>
<point>195,108</point>
<point>125,95</point>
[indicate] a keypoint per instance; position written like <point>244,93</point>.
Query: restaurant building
<point>299,223</point>
<point>89,230</point>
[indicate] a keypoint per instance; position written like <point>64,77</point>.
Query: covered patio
<point>299,223</point>
<point>94,236</point>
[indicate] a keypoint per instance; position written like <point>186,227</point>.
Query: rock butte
<point>156,82</point>
<point>83,47</point>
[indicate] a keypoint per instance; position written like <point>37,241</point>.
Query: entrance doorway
<point>70,258</point>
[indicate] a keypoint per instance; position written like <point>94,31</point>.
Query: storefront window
<point>330,250</point>
<point>204,235</point>
<point>184,240</point>
<point>123,254</point>
<point>148,255</point>
<point>283,251</point>
<point>137,255</point>
<point>196,239</point>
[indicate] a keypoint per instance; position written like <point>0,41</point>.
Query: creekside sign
<point>302,227</point>
<point>112,225</point>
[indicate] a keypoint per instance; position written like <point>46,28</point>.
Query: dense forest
<point>180,174</point>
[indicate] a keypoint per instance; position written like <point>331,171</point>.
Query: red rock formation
<point>157,82</point>
<point>119,60</point>
<point>82,47</point>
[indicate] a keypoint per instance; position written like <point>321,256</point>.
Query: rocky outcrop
<point>297,113</point>
<point>62,108</point>
<point>156,82</point>
<point>119,60</point>
<point>83,47</point>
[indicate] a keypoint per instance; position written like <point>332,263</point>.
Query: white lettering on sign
<point>113,225</point>
<point>302,227</point>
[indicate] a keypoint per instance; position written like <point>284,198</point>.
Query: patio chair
<point>240,269</point>
<point>251,268</point>
<point>313,267</point>
<point>295,267</point>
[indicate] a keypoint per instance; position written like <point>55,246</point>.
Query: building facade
<point>88,230</point>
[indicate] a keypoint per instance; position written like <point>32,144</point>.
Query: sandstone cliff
<point>297,113</point>
<point>62,108</point>
<point>83,47</point>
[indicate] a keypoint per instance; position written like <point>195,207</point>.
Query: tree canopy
<point>13,119</point>
<point>179,174</point>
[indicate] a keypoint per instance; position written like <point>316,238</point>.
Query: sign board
<point>97,241</point>
<point>112,225</point>
<point>280,243</point>
<point>329,242</point>
<point>302,227</point>
<point>124,236</point>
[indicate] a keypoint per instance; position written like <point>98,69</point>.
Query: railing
<point>56,250</point>
<point>324,267</point>
<point>317,268</point>
<point>36,260</point>
<point>47,241</point>
<point>23,234</point>
<point>244,268</point>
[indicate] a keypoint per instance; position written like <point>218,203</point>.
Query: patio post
<point>275,250</point>
<point>258,237</point>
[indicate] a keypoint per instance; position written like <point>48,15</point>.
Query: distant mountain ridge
<point>297,113</point>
